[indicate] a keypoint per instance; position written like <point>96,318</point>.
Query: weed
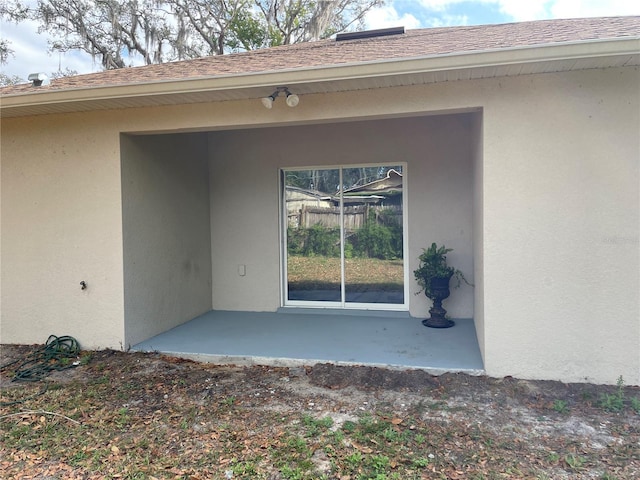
<point>291,473</point>
<point>338,436</point>
<point>560,406</point>
<point>349,426</point>
<point>420,462</point>
<point>574,462</point>
<point>379,463</point>
<point>354,460</point>
<point>614,402</point>
<point>391,434</point>
<point>635,404</point>
<point>86,358</point>
<point>369,425</point>
<point>123,418</point>
<point>316,426</point>
<point>297,444</point>
<point>244,468</point>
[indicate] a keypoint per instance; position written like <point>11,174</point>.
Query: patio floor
<point>295,337</point>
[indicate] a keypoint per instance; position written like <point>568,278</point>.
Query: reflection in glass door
<point>314,269</point>
<point>344,236</point>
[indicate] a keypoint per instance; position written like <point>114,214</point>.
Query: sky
<point>32,54</point>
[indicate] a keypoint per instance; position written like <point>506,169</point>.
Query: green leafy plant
<point>614,402</point>
<point>574,462</point>
<point>560,406</point>
<point>433,264</point>
<point>380,237</point>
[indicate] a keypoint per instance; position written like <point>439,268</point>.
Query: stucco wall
<point>478,237</point>
<point>557,243</point>
<point>167,245</point>
<point>561,219</point>
<point>244,197</point>
<point>61,224</point>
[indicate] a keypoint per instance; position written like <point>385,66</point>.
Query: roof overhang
<point>582,55</point>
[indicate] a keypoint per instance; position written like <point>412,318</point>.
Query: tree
<point>5,51</point>
<point>14,13</point>
<point>294,21</point>
<point>157,31</point>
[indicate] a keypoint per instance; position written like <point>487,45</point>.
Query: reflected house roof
<point>373,192</point>
<point>376,191</point>
<point>298,198</point>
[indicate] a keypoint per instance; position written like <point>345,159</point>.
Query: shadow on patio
<point>294,337</point>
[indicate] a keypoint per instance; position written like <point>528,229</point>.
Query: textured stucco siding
<point>550,223</point>
<point>245,219</point>
<point>167,243</point>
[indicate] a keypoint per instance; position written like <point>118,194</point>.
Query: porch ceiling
<point>361,76</point>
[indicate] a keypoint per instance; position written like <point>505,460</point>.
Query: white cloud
<point>387,16</point>
<point>593,8</point>
<point>31,53</point>
<point>437,13</point>
<point>522,11</point>
<point>446,20</point>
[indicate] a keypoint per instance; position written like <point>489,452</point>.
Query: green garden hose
<point>55,355</point>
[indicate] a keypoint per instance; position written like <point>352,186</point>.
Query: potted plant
<point>434,276</point>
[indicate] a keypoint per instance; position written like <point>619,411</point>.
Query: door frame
<point>343,304</point>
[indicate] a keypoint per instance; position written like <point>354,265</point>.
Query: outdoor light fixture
<point>291,98</point>
<point>268,101</point>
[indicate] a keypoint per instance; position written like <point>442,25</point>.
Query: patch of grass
<point>614,402</point>
<point>316,426</point>
<point>135,425</point>
<point>574,462</point>
<point>553,457</point>
<point>244,469</point>
<point>324,272</point>
<point>229,401</point>
<point>560,406</point>
<point>354,461</point>
<point>123,418</point>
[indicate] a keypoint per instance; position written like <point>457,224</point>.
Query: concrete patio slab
<point>294,337</point>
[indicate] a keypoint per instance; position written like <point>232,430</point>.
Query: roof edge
<point>371,69</point>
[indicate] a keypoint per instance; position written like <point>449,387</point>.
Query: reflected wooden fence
<point>329,217</point>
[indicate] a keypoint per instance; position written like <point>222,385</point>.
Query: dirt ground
<point>525,429</point>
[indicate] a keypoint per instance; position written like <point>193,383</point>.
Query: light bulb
<point>292,99</point>
<point>267,102</point>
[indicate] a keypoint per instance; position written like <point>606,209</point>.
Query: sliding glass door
<point>344,236</point>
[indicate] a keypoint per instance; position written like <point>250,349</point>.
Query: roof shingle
<point>412,44</point>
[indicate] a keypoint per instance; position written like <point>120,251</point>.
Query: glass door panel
<point>313,237</point>
<point>373,235</point>
<point>344,236</point>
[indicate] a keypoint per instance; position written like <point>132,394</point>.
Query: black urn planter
<point>438,291</point>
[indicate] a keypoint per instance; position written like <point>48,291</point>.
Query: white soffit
<point>360,76</point>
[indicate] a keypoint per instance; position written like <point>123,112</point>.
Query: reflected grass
<point>362,274</point>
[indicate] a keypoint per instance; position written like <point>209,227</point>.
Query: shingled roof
<point>421,43</point>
